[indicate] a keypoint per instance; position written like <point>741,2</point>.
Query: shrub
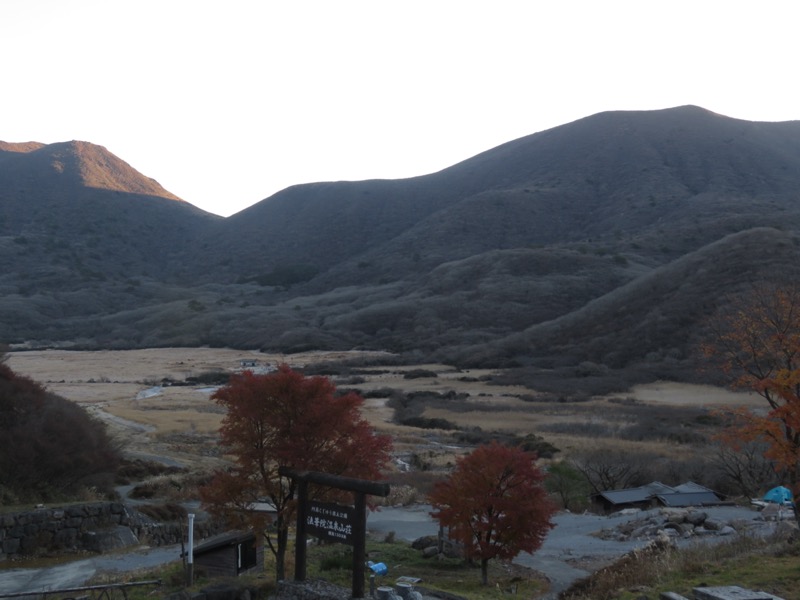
<point>210,378</point>
<point>537,445</point>
<point>52,448</point>
<point>428,423</point>
<point>419,374</point>
<point>165,513</point>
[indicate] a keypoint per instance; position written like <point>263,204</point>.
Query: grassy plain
<point>134,391</point>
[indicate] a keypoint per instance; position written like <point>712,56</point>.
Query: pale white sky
<point>226,102</point>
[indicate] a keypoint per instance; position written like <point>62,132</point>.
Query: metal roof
<point>691,486</point>
<point>224,539</point>
<point>689,499</point>
<point>638,494</point>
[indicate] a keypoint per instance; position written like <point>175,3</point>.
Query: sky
<point>227,102</point>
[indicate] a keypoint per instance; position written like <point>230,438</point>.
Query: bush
<point>419,374</point>
<point>428,423</point>
<point>536,444</point>
<point>165,513</point>
<point>52,448</point>
<point>210,378</point>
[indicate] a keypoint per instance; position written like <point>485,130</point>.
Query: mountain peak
<point>77,164</point>
<point>99,168</point>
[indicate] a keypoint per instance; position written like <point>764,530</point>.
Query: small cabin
<point>230,554</point>
<point>655,494</point>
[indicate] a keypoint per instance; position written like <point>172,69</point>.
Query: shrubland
<point>52,449</point>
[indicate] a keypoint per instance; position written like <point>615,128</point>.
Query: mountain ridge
<point>501,259</point>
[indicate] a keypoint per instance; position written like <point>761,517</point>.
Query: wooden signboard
<point>331,522</point>
<point>346,524</point>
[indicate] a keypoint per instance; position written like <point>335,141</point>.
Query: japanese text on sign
<point>332,522</point>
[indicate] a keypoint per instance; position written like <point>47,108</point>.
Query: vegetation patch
<point>766,564</point>
<point>451,575</point>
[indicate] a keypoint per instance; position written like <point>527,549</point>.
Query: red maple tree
<point>495,504</point>
<point>284,419</point>
<point>756,342</point>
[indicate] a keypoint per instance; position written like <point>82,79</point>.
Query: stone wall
<point>93,527</point>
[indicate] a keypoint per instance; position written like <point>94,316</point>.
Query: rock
<point>696,517</point>
<point>674,515</point>
<point>670,533</point>
<point>726,530</point>
<point>642,532</point>
<point>681,529</point>
<point>424,541</point>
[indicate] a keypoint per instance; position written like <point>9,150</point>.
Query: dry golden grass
<point>121,387</point>
<point>670,392</point>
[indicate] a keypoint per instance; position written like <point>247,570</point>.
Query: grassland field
<point>179,422</point>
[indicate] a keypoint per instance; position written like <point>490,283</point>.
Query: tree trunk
<point>484,571</point>
<point>280,555</point>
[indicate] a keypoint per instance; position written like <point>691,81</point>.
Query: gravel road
<point>570,549</point>
<point>77,573</point>
<point>568,554</point>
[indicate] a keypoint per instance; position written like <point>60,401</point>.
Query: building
<point>230,554</point>
<point>656,494</point>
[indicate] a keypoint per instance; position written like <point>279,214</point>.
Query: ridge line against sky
<point>225,103</point>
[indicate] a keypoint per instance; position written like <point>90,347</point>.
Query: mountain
<point>607,241</point>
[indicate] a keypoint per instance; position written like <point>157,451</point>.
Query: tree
<point>568,484</point>
<point>610,468</point>
<point>744,468</point>
<point>494,503</point>
<point>284,419</point>
<point>755,341</point>
<point>52,448</point>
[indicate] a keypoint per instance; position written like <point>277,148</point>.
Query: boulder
<point>680,528</point>
<point>696,517</point>
<point>424,541</point>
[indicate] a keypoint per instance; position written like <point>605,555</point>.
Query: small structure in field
<point>230,554</point>
<point>642,497</point>
<point>656,494</point>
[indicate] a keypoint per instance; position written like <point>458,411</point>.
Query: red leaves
<point>286,419</point>
<point>494,503</point>
<point>290,420</point>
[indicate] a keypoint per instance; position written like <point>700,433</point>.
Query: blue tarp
<point>779,495</point>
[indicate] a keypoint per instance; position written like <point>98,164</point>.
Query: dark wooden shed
<point>230,554</point>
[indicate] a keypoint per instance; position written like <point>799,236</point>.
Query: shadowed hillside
<point>606,241</point>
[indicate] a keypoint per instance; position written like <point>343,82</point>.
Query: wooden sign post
<point>344,524</point>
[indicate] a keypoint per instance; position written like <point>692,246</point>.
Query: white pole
<point>190,553</point>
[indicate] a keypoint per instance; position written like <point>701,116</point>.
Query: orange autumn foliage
<point>757,343</point>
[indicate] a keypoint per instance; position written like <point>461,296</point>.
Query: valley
<point>158,406</point>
